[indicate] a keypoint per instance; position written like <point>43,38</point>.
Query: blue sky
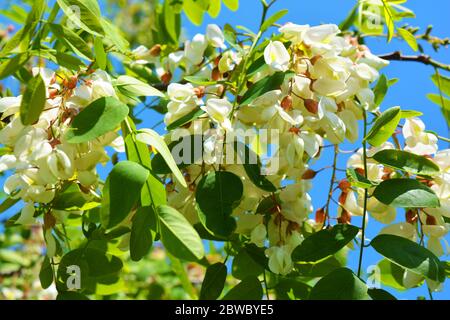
<point>409,93</point>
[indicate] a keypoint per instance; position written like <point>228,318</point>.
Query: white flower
<point>320,33</point>
<point>276,56</point>
<point>215,36</point>
<point>26,215</point>
<point>258,235</point>
<point>219,110</point>
<point>194,50</point>
<point>417,140</point>
<point>280,261</point>
<point>293,32</point>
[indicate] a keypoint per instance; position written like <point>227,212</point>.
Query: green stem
<point>366,195</point>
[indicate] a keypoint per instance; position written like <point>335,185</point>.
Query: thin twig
<point>422,58</point>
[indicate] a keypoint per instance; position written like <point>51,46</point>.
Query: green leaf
<point>252,167</point>
<point>11,66</point>
<point>389,21</point>
<point>233,5</point>
<point>136,87</point>
<point>72,41</point>
<point>264,85</point>
<point>213,282</point>
<point>33,101</point>
<point>96,267</point>
<point>200,81</point>
<point>84,14</point>
<point>191,116</point>
<point>409,255</point>
<point>407,161</point>
<point>244,265</point>
<point>178,235</point>
<point>341,284</point>
<point>70,197</point>
<point>248,289</point>
<point>100,117</point>
<point>440,101</point>
<point>405,114</point>
<point>380,90</point>
<point>380,294</point>
<point>406,193</point>
<point>214,8</point>
<point>152,138</point>
<point>117,204</point>
<point>324,243</point>
<point>194,11</point>
<point>8,203</point>
<point>100,54</point>
<point>46,273</point>
<point>409,38</point>
<point>272,19</point>
<point>443,82</point>
<point>141,236</point>
<point>171,21</point>
<point>391,274</point>
<point>358,180</point>
<point>384,127</point>
<point>218,193</point>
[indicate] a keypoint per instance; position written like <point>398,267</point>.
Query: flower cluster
<point>40,156</point>
<point>326,86</point>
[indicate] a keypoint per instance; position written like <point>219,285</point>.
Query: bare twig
<point>422,58</point>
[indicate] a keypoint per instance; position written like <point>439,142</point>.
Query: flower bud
<point>166,77</point>
<point>320,216</point>
<point>345,217</point>
<point>155,50</point>
<point>199,92</point>
<point>309,174</point>
<point>411,216</point>
<point>312,105</point>
<point>215,74</point>
<point>360,171</point>
<point>286,103</point>
<point>343,198</point>
<point>344,185</point>
<point>431,220</point>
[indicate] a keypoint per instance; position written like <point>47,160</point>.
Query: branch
<point>422,58</point>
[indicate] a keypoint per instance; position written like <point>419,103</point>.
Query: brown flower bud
<point>314,59</point>
<point>431,220</point>
<point>411,216</point>
<point>215,74</point>
<point>343,197</point>
<point>344,185</point>
<point>155,50</point>
<point>345,217</point>
<point>217,60</point>
<point>199,91</point>
<point>294,130</point>
<point>286,103</point>
<point>320,215</point>
<point>360,171</point>
<point>311,105</point>
<point>49,220</point>
<point>52,93</point>
<point>71,83</point>
<point>309,174</point>
<point>166,77</point>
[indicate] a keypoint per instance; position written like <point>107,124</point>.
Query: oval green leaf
<point>324,243</point>
<point>33,101</point>
<point>384,127</point>
<point>406,193</point>
<point>100,117</point>
<point>178,235</point>
<point>218,193</point>
<point>141,239</point>
<point>407,161</point>
<point>341,284</point>
<point>409,255</point>
<point>248,289</point>
<point>214,281</point>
